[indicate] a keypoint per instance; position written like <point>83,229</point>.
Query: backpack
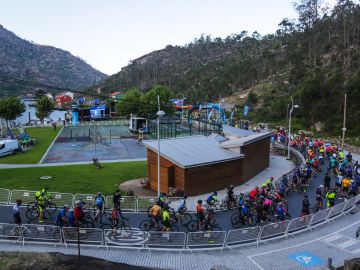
<point>99,201</point>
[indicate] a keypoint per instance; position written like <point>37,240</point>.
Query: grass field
<point>73,178</point>
<point>44,136</point>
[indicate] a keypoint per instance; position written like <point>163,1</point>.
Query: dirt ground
<point>57,261</point>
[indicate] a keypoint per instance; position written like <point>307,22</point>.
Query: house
<point>61,100</point>
<point>200,164</point>
<point>117,95</point>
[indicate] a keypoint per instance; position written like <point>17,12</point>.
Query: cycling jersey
<point>60,217</point>
<point>155,210</point>
<point>346,183</point>
<point>99,201</point>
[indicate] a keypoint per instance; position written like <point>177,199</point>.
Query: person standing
<point>17,211</point>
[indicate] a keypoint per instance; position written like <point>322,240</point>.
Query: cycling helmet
<point>321,186</point>
<point>77,202</point>
<point>199,201</point>
<point>66,206</point>
<point>99,193</point>
<point>19,201</point>
<point>231,186</point>
<point>215,193</point>
<point>185,196</point>
<point>272,178</point>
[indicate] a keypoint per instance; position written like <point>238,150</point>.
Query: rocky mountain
<point>26,60</point>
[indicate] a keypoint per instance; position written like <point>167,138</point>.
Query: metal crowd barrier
<point>10,233</point>
<point>166,241</point>
<point>299,224</point>
<point>274,230</point>
<point>41,233</point>
<point>88,199</point>
<point>88,236</point>
<point>25,195</point>
<point>4,196</point>
<point>127,203</point>
<point>143,203</point>
<point>243,236</point>
<point>206,240</point>
<point>319,217</point>
<point>337,210</point>
<point>60,199</point>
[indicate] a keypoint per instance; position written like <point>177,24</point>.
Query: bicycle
<point>122,229</point>
<point>32,211</point>
<point>184,217</point>
<point>148,224</point>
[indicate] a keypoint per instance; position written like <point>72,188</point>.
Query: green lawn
<point>73,178</point>
<point>44,136</point>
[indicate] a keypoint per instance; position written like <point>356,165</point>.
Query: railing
<point>170,241</point>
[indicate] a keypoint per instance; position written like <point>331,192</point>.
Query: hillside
<point>44,64</point>
<point>314,58</point>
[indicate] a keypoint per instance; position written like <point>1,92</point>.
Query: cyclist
<point>162,199</point>
<point>99,202</point>
<point>231,200</point>
<point>349,157</point>
<point>71,218</point>
<point>79,211</point>
<point>280,211</point>
<point>319,198</point>
<point>305,206</point>
<point>17,211</point>
<point>209,219</point>
<point>42,198</point>
<point>330,196</point>
<point>182,206</point>
<point>254,193</point>
<point>62,218</point>
<point>117,199</point>
<point>212,199</point>
<point>200,212</point>
<point>115,217</point>
<point>166,217</point>
<point>345,187</point>
<point>155,212</point>
<point>269,182</point>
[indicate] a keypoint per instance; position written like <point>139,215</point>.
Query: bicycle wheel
<point>32,211</point>
<point>174,228</point>
<point>146,225</point>
<point>192,226</point>
<point>236,220</point>
<point>125,231</point>
<point>51,208</point>
<point>105,219</point>
<point>185,219</point>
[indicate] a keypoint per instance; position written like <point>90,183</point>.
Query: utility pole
<point>344,124</point>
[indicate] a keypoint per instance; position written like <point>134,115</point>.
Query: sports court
<point>105,142</point>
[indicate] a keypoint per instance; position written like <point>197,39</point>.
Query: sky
<point>107,34</point>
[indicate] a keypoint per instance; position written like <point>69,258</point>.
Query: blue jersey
<point>99,200</point>
<point>279,210</point>
<point>61,215</point>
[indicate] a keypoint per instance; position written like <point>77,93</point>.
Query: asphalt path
<point>294,202</point>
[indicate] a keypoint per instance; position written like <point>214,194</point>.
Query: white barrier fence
<point>170,241</point>
<point>4,196</point>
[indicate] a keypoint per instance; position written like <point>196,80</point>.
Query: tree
<point>44,106</point>
<point>10,108</point>
<point>130,104</point>
<point>150,101</point>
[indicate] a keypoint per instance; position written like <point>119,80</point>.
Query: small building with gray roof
<point>200,164</point>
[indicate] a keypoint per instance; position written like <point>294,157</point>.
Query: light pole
<point>159,114</point>
<point>289,133</point>
<point>344,125</point>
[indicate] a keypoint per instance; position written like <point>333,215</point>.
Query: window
<point>2,146</point>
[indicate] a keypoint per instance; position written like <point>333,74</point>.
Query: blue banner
<point>246,110</point>
<point>75,118</point>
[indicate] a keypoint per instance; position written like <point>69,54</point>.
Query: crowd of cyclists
<point>263,204</point>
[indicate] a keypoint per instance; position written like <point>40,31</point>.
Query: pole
<point>158,155</point>
<point>287,114</point>
<point>344,125</point>
<point>289,132</point>
<point>78,238</point>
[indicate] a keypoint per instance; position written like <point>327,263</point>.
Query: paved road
<point>294,203</point>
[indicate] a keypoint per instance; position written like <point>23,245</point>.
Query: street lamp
<point>289,134</point>
<point>159,114</point>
